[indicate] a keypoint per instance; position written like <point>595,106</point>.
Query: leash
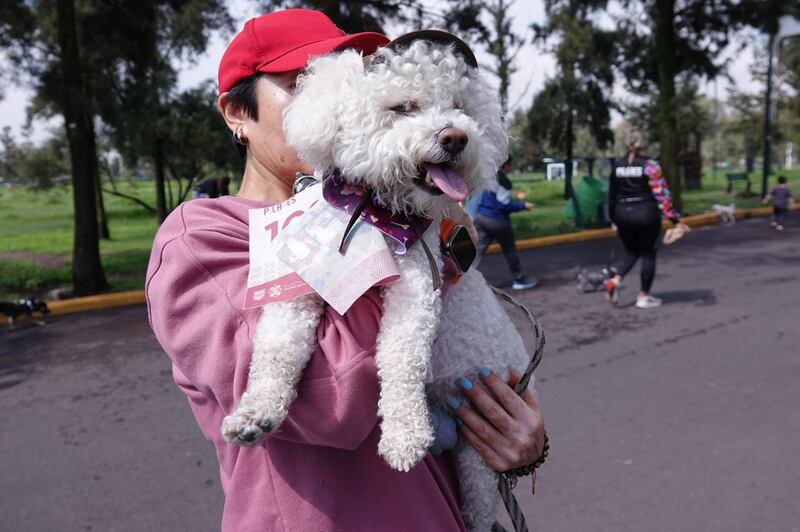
<point>503,485</point>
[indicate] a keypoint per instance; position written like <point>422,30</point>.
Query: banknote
<point>269,279</point>
<point>311,249</point>
<point>289,259</point>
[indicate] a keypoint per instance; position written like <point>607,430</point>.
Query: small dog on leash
<point>24,307</point>
<point>591,281</point>
<point>726,213</point>
<point>419,126</point>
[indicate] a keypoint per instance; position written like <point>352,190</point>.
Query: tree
<point>10,156</point>
<point>673,40</point>
<point>41,165</point>
<point>579,94</point>
<point>112,60</point>
<point>355,17</point>
<point>42,39</point>
<point>692,120</point>
<point>136,68</point>
<point>194,138</point>
<point>87,271</point>
<point>459,16</point>
<point>504,45</point>
<point>525,151</point>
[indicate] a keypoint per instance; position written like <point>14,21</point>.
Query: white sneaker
<point>647,302</point>
<point>779,227</point>
<point>773,223</point>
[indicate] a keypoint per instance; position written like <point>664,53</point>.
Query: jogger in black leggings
<point>639,226</point>
<point>638,196</point>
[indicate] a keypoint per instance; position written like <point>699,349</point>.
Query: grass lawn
<point>36,246</point>
<point>547,217</point>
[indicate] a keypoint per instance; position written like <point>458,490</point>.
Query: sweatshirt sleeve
<point>195,289</point>
<point>660,190</point>
<point>514,206</point>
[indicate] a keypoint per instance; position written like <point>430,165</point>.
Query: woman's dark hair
<point>242,96</point>
<point>781,179</point>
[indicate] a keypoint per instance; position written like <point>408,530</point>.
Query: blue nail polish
<point>465,383</point>
<point>484,372</point>
<point>453,402</point>
<point>459,422</point>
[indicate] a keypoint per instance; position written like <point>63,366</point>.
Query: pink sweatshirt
<point>321,470</point>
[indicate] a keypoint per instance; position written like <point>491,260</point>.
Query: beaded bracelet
<point>513,475</point>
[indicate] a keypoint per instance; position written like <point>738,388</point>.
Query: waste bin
<point>589,194</point>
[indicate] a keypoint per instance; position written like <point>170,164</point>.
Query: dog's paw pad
<point>245,429</point>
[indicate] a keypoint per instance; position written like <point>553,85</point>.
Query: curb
<point>698,220</point>
<point>99,302</point>
<point>136,297</point>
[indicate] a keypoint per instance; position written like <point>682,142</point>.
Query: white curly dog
<point>419,126</point>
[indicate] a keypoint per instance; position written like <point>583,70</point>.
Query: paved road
<point>683,418</point>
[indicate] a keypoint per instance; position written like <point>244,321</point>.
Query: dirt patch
<point>48,260</point>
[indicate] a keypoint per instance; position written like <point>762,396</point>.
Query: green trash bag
<point>589,194</point>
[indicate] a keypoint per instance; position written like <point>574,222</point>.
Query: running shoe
<point>523,283</point>
<point>779,227</point>
<point>773,223</point>
<point>647,302</point>
<point>612,290</point>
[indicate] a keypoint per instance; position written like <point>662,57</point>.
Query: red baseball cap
<point>284,41</point>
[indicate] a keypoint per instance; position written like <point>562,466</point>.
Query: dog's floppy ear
<point>311,121</point>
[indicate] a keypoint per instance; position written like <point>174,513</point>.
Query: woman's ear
<point>311,121</point>
<point>233,115</point>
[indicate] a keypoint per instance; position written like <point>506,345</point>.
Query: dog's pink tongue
<point>448,180</point>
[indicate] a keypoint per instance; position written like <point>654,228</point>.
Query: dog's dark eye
<point>405,108</point>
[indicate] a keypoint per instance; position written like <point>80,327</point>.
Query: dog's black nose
<point>452,139</point>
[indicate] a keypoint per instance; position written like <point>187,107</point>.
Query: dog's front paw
<point>249,426</point>
<point>403,445</point>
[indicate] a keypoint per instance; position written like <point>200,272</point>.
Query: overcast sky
<point>534,67</point>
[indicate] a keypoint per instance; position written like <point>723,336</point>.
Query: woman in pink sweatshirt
<point>320,471</point>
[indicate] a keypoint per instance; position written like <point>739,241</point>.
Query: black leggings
<point>638,226</point>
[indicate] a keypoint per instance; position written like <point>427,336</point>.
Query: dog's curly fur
<point>376,120</point>
<point>726,213</point>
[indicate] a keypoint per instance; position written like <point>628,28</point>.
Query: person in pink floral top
<point>638,197</point>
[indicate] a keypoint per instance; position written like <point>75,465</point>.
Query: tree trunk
<point>665,37</point>
<point>102,219</point>
<point>568,161</point>
<point>158,164</point>
<point>87,271</point>
<point>569,189</point>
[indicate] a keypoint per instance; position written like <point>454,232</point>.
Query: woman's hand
<point>444,431</point>
<point>505,429</point>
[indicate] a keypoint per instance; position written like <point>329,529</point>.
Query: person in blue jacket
<point>493,222</point>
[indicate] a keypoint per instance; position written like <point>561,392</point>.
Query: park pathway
<point>683,418</point>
